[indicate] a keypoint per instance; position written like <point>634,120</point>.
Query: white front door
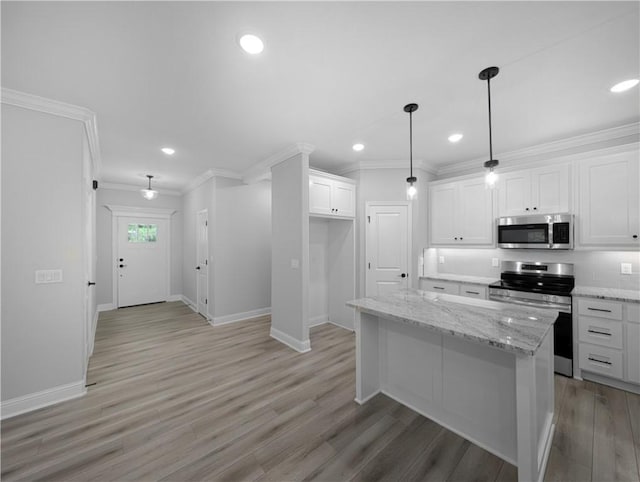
<point>142,260</point>
<point>202,268</point>
<point>387,248</point>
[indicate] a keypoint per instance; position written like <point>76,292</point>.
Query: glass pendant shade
<point>148,193</point>
<point>412,190</point>
<point>490,179</point>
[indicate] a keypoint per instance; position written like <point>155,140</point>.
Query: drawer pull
<point>472,292</point>
<point>438,288</point>
<point>598,309</point>
<point>599,332</point>
<point>599,361</point>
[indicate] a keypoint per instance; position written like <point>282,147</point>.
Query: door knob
<point>197,267</point>
<point>403,275</point>
<point>123,265</point>
<point>91,283</point>
<point>121,260</point>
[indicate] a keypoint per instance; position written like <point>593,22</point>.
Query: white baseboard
<point>341,326</point>
<point>297,345</point>
<point>223,320</point>
<point>174,298</point>
<point>106,307</point>
<point>318,320</point>
<point>34,401</point>
<point>189,303</point>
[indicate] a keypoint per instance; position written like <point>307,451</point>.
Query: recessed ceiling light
<point>251,44</point>
<point>358,147</point>
<point>624,85</point>
<point>168,151</point>
<point>455,137</point>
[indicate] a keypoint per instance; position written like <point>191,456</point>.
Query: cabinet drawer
<point>599,331</point>
<point>633,312</point>
<point>600,309</point>
<point>473,291</point>
<point>598,359</point>
<point>447,287</point>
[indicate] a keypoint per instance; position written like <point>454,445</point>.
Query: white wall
<point>390,185</point>
<point>242,248</point>
<point>318,270</point>
<point>42,324</point>
<point>202,197</point>
<point>104,281</point>
<point>290,241</point>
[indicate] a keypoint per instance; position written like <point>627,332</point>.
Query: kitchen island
<point>482,369</point>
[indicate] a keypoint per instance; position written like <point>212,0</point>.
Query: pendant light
<point>491,177</point>
<point>149,194</point>
<point>412,191</point>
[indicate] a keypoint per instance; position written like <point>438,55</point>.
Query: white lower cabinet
<point>609,339</point>
<point>454,288</point>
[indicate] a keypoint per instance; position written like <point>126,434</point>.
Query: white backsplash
<point>592,268</point>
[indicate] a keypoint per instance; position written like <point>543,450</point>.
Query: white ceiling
<point>332,74</point>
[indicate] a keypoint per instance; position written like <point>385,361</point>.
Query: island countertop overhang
<point>504,326</point>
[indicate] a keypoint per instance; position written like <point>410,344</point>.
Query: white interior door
<point>142,260</point>
<point>202,268</point>
<point>387,248</point>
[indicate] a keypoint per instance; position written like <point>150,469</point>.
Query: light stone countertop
<point>459,278</point>
<point>502,325</point>
<point>613,294</point>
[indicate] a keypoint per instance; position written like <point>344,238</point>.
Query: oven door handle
<point>534,304</point>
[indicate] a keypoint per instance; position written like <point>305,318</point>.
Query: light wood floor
<point>176,399</point>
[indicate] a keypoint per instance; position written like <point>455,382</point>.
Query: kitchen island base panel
<point>498,400</point>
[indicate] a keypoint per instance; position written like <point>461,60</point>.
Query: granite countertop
<point>614,294</point>
<point>459,278</point>
<point>511,328</point>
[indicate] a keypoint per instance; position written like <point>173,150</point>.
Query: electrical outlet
<point>295,263</point>
<point>441,259</point>
<point>625,268</point>
<point>495,262</point>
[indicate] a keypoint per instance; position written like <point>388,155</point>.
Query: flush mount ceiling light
<point>357,147</point>
<point>149,194</point>
<point>624,85</point>
<point>455,137</point>
<point>251,44</point>
<point>412,191</point>
<point>491,177</point>
<point>168,151</point>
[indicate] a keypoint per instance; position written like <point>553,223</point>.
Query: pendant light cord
<point>490,140</point>
<point>411,143</point>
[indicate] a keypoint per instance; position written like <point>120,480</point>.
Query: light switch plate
<point>441,259</point>
<point>625,268</point>
<point>495,262</point>
<point>48,276</point>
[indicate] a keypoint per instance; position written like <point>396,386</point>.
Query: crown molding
<point>561,148</point>
<point>129,187</point>
<point>262,170</point>
<point>134,210</point>
<point>208,174</point>
<point>389,164</point>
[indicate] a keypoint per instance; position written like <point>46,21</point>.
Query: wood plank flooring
<point>176,399</point>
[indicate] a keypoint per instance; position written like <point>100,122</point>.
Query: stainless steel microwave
<point>538,231</point>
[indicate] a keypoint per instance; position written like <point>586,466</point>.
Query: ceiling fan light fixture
<point>148,193</point>
<point>491,177</point>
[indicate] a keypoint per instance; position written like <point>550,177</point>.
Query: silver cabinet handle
<point>438,288</point>
<point>598,309</point>
<point>472,292</point>
<point>599,332</point>
<point>604,362</point>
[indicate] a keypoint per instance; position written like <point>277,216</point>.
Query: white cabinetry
<point>454,288</point>
<point>609,339</point>
<point>534,191</point>
<point>331,195</point>
<point>461,213</point>
<point>608,208</point>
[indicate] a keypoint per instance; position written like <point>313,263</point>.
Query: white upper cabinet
<point>330,196</point>
<point>608,214</point>
<point>541,190</point>
<point>461,213</point>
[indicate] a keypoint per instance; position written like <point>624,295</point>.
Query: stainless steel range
<point>542,285</point>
